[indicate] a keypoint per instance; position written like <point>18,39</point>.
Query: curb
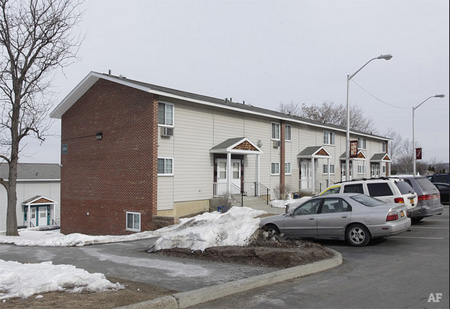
<point>195,297</point>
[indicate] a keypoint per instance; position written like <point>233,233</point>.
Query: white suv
<point>386,189</point>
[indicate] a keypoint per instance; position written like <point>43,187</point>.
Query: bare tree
<point>35,38</point>
<point>289,109</point>
<point>330,113</point>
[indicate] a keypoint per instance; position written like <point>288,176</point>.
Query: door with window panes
<point>222,177</point>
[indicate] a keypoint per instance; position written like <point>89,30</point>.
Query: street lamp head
<point>385,57</point>
<point>439,96</point>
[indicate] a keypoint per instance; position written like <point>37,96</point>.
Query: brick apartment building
<point>136,156</point>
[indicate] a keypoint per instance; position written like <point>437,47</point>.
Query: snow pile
<point>289,202</point>
<point>55,239</point>
<point>232,228</point>
<point>24,280</point>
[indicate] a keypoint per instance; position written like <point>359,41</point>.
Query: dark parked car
<point>443,190</point>
<point>439,178</point>
<point>429,198</point>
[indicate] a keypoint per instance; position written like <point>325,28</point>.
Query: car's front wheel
<point>357,235</point>
<point>272,229</point>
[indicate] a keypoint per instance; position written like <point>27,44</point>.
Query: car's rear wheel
<point>357,235</point>
<point>272,229</point>
<point>416,219</point>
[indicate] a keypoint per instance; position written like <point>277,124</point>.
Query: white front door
<point>222,177</point>
<point>43,216</point>
<point>305,171</point>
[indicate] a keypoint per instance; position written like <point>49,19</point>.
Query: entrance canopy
<point>237,145</point>
<point>380,157</point>
<point>317,152</point>
<point>359,156</point>
<point>38,200</point>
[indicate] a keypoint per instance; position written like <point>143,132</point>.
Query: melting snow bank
<point>24,280</point>
<point>55,239</point>
<point>232,228</point>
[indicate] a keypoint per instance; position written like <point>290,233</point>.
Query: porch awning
<point>38,200</point>
<point>314,152</point>
<point>380,157</point>
<point>359,156</point>
<point>238,145</point>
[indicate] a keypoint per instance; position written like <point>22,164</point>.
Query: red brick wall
<point>103,179</point>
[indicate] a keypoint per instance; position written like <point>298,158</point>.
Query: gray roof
<point>247,107</point>
<point>309,151</point>
<point>378,156</point>
<point>33,171</point>
<point>229,142</point>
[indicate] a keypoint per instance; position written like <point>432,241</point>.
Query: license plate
<point>402,214</point>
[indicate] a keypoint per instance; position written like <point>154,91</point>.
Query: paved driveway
<point>406,271</point>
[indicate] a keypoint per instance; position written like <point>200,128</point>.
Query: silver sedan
<point>356,218</point>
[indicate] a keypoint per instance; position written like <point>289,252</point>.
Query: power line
<point>391,105</point>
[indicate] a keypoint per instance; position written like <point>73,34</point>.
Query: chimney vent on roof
<point>109,72</point>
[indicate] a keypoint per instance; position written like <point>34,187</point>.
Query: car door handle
<point>344,217</point>
<point>311,218</point>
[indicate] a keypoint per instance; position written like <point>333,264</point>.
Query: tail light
<point>392,216</point>
<point>428,197</point>
<point>399,200</point>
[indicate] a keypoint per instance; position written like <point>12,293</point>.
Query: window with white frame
<point>328,138</point>
<point>362,143</point>
<point>325,168</point>
<point>275,168</point>
<point>287,168</point>
<point>275,131</point>
<point>361,168</point>
<point>165,166</point>
<point>288,133</point>
<point>133,221</point>
<point>165,114</point>
<point>383,147</point>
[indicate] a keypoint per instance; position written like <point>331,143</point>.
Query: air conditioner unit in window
<point>166,132</point>
<point>276,144</point>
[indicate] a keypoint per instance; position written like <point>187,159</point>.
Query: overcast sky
<point>267,52</point>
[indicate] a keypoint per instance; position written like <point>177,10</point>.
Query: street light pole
<point>347,139</point>
<point>413,141</point>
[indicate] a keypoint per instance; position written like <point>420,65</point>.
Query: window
<point>361,169</point>
<point>165,166</point>
<point>275,169</point>
<point>362,143</point>
<point>275,131</point>
<point>357,188</point>
<point>165,114</point>
<point>328,138</point>
<point>331,205</point>
<point>308,208</point>
<point>383,147</point>
<point>134,221</point>
<point>325,168</point>
<point>288,133</point>
<point>287,168</point>
<point>379,189</point>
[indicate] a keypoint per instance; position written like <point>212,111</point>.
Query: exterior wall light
<point>99,135</point>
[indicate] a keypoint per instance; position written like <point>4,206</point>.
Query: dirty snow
<point>233,227</point>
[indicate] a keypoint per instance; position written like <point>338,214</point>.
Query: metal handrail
<point>240,194</point>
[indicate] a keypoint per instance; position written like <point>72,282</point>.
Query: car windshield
<point>404,187</point>
<point>367,200</point>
